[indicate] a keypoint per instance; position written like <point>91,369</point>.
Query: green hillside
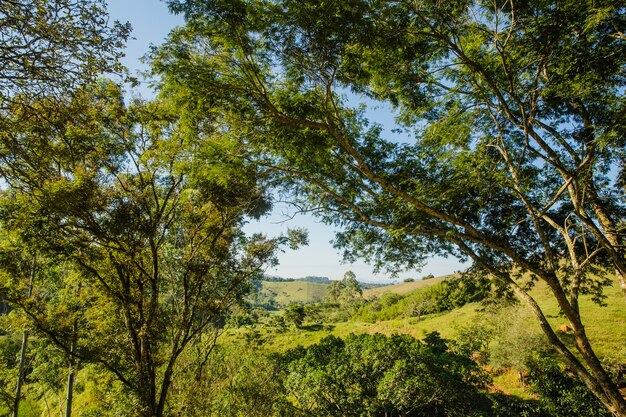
<point>404,287</point>
<point>517,330</point>
<point>606,325</point>
<point>285,293</point>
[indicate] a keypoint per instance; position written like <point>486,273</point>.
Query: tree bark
<point>22,365</point>
<point>71,375</point>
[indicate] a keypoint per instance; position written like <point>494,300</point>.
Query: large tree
<point>513,122</point>
<point>138,215</point>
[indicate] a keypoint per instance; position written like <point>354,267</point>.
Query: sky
<point>151,22</point>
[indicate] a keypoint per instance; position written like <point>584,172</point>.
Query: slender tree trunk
<point>72,361</point>
<point>22,365</point>
<point>70,388</point>
<point>20,376</point>
<point>71,375</point>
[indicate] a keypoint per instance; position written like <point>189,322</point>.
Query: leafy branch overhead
<point>49,48</point>
<point>513,121</point>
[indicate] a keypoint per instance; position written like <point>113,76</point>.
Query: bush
<point>375,375</point>
<point>561,394</point>
<point>241,319</point>
<point>294,314</point>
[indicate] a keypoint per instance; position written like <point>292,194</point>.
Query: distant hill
<point>288,292</point>
<point>405,287</point>
<point>369,285</point>
<point>312,289</point>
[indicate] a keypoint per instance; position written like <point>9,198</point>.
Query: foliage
<point>295,314</point>
<point>241,319</point>
<point>370,375</point>
<point>514,345</point>
<point>346,292</point>
<point>443,296</point>
<point>9,346</point>
<point>560,394</point>
<point>48,48</point>
<point>235,381</point>
<point>136,220</point>
<point>512,115</point>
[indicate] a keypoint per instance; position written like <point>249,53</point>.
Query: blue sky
<point>151,22</point>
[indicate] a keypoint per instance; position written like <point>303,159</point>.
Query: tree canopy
<point>134,223</point>
<point>50,47</point>
<point>512,114</point>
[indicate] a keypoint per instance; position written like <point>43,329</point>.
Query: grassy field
<point>404,287</point>
<point>285,292</point>
<point>302,292</point>
<point>606,326</point>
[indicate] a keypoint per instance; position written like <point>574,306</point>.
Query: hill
<point>309,278</point>
<point>605,325</point>
<point>284,291</point>
<point>288,292</point>
<point>404,287</point>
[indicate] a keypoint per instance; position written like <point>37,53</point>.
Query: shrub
<point>371,375</point>
<point>561,394</point>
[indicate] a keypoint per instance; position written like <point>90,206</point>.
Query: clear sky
<point>151,22</point>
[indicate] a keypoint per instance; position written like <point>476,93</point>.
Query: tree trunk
<point>22,365</point>
<point>20,376</point>
<point>598,381</point>
<point>70,376</point>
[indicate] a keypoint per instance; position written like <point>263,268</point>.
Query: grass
<point>605,325</point>
<point>404,287</point>
<point>286,293</point>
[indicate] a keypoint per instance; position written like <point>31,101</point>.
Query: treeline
<point>314,279</point>
<point>322,280</point>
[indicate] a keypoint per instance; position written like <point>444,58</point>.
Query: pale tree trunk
<point>22,364</point>
<point>72,362</point>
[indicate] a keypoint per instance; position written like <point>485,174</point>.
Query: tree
<point>295,314</point>
<point>516,112</point>
<point>368,375</point>
<point>50,47</point>
<point>346,291</point>
<point>139,218</point>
